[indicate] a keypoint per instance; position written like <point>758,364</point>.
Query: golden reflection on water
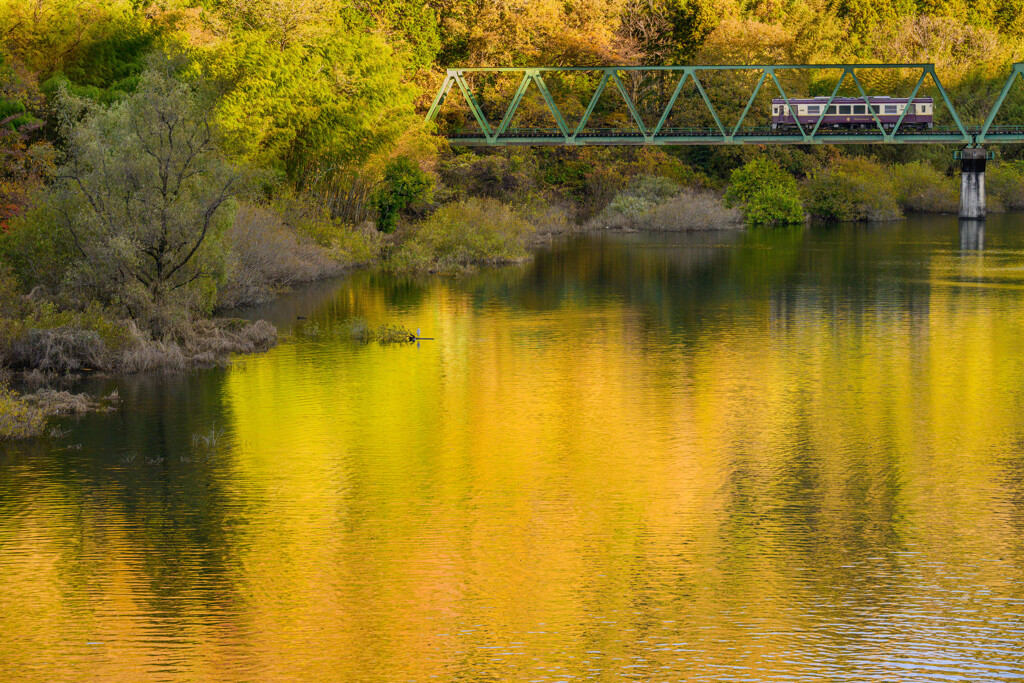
<point>773,456</point>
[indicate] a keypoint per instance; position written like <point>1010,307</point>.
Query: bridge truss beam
<point>658,134</point>
<point>1006,134</point>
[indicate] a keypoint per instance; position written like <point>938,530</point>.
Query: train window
<point>858,109</point>
<point>813,109</point>
<point>832,110</point>
<point>844,109</point>
<point>890,109</point>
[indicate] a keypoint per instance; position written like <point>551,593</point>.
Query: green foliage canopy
<point>333,101</point>
<point>403,184</point>
<point>765,193</point>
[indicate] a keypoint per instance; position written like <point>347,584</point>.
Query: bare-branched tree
<point>144,193</point>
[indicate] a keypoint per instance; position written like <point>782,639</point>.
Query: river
<point>771,455</point>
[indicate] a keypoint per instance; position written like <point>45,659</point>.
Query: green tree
<point>329,101</point>
<point>47,35</point>
<point>404,184</point>
<point>410,27</point>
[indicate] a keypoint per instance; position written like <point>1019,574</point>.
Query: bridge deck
<point>748,136</point>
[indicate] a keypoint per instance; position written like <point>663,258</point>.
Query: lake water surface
<point>766,456</point>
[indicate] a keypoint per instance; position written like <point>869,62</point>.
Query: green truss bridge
<point>702,105</point>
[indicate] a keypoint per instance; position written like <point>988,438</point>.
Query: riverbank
<point>45,357</point>
<point>45,340</point>
<point>269,247</point>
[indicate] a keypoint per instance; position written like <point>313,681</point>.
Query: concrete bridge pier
<point>972,183</point>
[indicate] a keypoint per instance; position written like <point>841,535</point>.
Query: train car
<point>851,113</point>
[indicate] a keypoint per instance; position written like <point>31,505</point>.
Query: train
<point>851,113</point>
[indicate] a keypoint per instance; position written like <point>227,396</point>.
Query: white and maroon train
<point>851,113</point>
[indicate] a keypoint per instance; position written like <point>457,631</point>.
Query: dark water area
<point>772,455</point>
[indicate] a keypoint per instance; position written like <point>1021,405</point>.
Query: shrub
<point>636,201</point>
<point>830,196</point>
<point>753,177</point>
<point>568,177</point>
<point>688,209</point>
<point>266,256</point>
<point>38,337</point>
<point>774,206</point>
<point>920,188</point>
<point>60,350</point>
<point>653,189</point>
<point>629,206</point>
<point>765,193</point>
<point>18,418</point>
<point>461,235</point>
<point>547,218</point>
<point>1005,183</point>
<point>692,210</point>
<point>36,249</point>
<point>852,190</point>
<point>592,177</point>
<point>36,334</point>
<point>404,183</point>
<point>358,245</point>
<point>205,343</point>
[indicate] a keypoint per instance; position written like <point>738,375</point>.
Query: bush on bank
<point>19,419</point>
<point>403,185</point>
<point>861,189</point>
<point>39,336</point>
<point>24,416</point>
<point>1004,182</point>
<point>584,180</point>
<point>765,193</point>
<point>266,255</point>
<point>920,188</point>
<point>658,203</point>
<point>852,189</point>
<point>462,235</point>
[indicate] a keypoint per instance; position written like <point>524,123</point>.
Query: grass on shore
<point>460,236</point>
<point>68,350</point>
<point>685,209</point>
